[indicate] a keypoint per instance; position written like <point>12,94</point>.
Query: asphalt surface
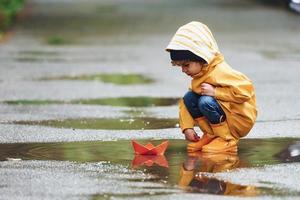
<point>130,37</point>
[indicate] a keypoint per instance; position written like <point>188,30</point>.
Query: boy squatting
<point>221,100</point>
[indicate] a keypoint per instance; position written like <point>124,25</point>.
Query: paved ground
<point>129,37</point>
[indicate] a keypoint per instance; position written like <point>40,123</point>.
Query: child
<point>221,100</point>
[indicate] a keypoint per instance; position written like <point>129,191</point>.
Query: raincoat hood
<point>197,38</point>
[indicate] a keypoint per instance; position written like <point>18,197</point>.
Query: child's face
<point>191,68</point>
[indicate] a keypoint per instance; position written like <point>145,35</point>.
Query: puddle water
<point>33,102</point>
<point>35,59</point>
<point>38,56</point>
<point>190,172</point>
<point>120,101</point>
<point>37,53</point>
<point>120,79</point>
<point>281,55</point>
<point>130,101</point>
<point>58,40</point>
<point>107,124</point>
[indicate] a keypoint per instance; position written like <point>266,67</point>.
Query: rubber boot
<point>224,142</point>
<point>186,177</point>
<point>206,138</point>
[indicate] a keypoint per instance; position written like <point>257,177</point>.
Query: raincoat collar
<point>219,58</point>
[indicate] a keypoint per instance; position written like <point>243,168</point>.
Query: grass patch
<point>8,12</point>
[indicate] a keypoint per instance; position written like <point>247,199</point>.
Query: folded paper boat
<point>150,149</point>
<point>149,160</point>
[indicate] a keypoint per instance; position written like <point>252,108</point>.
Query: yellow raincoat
<point>233,90</point>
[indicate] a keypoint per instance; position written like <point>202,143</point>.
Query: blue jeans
<point>207,106</point>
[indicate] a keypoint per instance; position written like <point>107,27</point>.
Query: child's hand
<point>207,89</point>
<point>191,135</point>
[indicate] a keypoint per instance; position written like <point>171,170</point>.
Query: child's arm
<point>232,85</point>
<point>228,85</point>
<point>185,119</point>
<point>239,92</point>
<point>186,123</point>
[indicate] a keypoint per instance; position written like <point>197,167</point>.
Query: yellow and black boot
<point>206,138</point>
<point>224,142</point>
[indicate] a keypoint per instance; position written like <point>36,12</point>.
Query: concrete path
<point>129,36</point>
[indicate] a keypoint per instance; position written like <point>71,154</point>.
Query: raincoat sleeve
<point>185,119</point>
<point>234,87</point>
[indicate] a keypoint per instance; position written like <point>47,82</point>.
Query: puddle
<point>38,56</point>
<point>292,54</point>
<point>33,102</point>
<point>131,101</point>
<point>120,101</point>
<point>37,53</point>
<point>191,172</point>
<point>107,124</point>
<point>120,79</point>
<point>58,40</point>
<point>34,59</point>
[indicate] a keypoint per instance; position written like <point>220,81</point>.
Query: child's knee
<point>206,102</point>
<point>190,98</point>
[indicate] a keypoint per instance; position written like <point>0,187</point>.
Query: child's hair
<point>179,57</point>
<point>182,62</point>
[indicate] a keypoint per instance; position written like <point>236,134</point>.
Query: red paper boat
<point>149,160</point>
<point>149,149</point>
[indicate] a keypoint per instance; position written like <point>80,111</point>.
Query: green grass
<point>8,12</point>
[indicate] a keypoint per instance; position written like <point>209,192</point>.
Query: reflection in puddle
<point>33,102</point>
<point>290,154</point>
<point>131,101</point>
<point>38,56</point>
<point>107,124</point>
<point>37,53</point>
<point>281,55</point>
<point>193,172</point>
<point>120,101</point>
<point>149,160</point>
<point>120,79</point>
<point>58,40</point>
<point>38,59</point>
<point>193,176</point>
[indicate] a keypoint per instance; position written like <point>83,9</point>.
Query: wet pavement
<point>92,76</point>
